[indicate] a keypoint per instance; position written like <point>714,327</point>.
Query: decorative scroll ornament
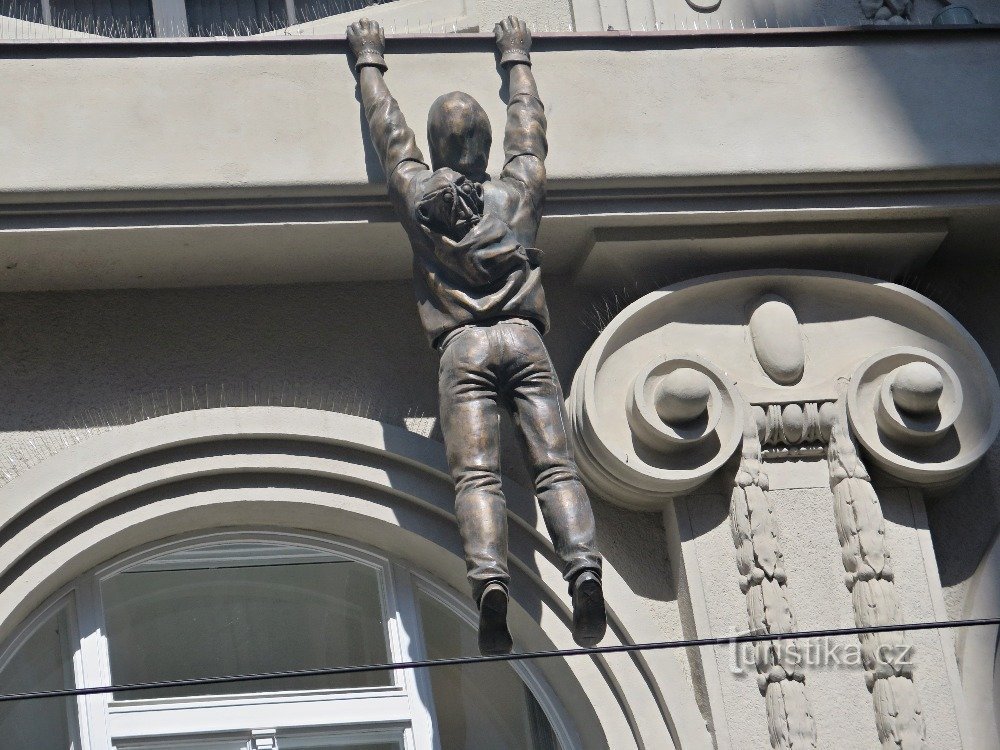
<point>680,423</point>
<point>654,406</point>
<point>659,404</point>
<point>907,407</point>
<point>759,559</point>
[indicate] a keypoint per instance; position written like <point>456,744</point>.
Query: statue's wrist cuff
<point>370,58</point>
<point>513,56</point>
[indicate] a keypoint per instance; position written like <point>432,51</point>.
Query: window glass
<point>353,743</point>
<point>482,706</point>
<point>244,608</point>
<point>116,18</point>
<point>234,17</point>
<point>312,10</point>
<point>26,10</point>
<point>43,662</point>
<point>332,742</point>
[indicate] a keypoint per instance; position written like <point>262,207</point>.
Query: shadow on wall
<point>964,519</point>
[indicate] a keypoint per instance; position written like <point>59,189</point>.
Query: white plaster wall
<point>540,15</point>
<point>671,111</point>
<point>74,362</point>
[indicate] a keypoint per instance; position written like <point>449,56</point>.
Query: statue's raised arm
<point>525,145</point>
<point>394,141</point>
<point>477,277</point>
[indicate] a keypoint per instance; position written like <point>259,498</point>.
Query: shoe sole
<point>590,618</point>
<point>494,636</point>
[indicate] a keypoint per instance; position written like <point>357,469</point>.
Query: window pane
<point>332,744</point>
<point>26,10</point>
<point>482,706</point>
<point>246,608</point>
<point>234,17</point>
<point>117,18</point>
<point>235,743</point>
<point>353,741</point>
<point>44,662</point>
<point>312,10</point>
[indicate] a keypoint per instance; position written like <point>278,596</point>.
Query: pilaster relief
<point>869,578</point>
<point>790,365</point>
<point>759,559</point>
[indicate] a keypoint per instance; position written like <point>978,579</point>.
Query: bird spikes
<point>25,450</point>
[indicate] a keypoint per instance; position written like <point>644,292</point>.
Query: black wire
<point>466,660</point>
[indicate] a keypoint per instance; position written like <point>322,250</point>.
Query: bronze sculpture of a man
<point>481,302</point>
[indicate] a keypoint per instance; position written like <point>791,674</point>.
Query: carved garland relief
<point>778,363</point>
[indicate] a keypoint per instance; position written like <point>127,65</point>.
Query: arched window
<point>239,603</point>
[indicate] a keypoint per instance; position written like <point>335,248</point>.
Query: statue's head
<point>459,134</point>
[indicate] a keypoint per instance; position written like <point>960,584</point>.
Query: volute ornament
<point>654,407</point>
<point>849,368</point>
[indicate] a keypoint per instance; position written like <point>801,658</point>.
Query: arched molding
<point>979,653</point>
<point>346,476</point>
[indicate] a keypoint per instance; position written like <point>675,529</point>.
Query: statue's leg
<point>470,414</point>
<point>533,391</point>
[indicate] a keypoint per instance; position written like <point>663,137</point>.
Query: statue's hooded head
<point>459,135</point>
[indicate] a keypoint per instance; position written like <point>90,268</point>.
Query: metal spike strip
<point>28,450</point>
<point>31,21</point>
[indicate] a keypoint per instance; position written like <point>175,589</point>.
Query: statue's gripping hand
<point>367,40</point>
<point>513,41</point>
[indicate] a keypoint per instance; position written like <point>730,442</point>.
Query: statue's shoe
<point>590,620</point>
<point>494,636</point>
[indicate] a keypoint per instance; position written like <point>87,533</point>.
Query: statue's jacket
<point>473,242</point>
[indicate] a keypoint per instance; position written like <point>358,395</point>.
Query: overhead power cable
<point>525,656</point>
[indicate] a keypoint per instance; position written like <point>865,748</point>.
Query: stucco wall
<point>78,362</point>
<point>543,15</point>
<point>255,119</point>
<point>75,362</point>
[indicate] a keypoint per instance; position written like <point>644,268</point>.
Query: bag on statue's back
<point>475,246</point>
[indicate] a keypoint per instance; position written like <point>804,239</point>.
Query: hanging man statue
<point>480,298</point>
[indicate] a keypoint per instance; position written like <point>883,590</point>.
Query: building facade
<point>769,258</point>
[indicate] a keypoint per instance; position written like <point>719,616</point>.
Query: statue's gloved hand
<point>513,41</point>
<point>367,40</point>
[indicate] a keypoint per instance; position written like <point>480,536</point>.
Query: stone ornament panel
<point>657,405</point>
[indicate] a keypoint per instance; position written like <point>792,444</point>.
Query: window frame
<point>170,17</point>
<point>64,601</point>
<point>405,708</point>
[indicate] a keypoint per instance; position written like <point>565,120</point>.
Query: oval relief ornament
<point>777,340</point>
